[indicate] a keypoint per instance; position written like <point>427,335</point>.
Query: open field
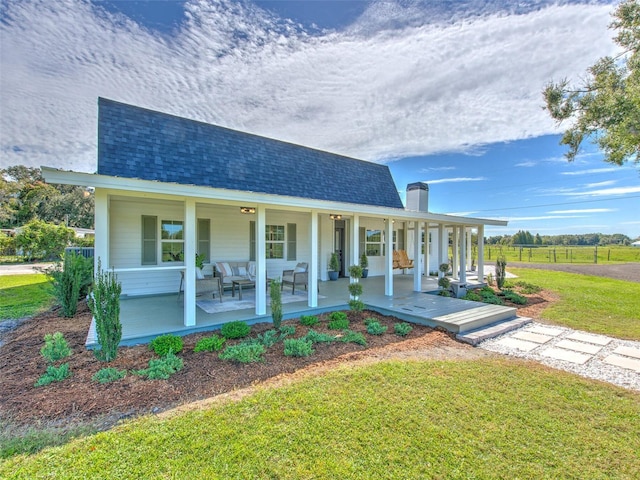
<point>563,254</point>
<point>428,419</point>
<point>589,303</point>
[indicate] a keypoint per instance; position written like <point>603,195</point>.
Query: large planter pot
<point>333,275</point>
<point>365,272</point>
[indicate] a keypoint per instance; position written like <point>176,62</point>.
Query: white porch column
<point>463,254</point>
<point>481,253</point>
<point>454,253</point>
<point>313,264</point>
<point>388,267</point>
<point>189,262</point>
<point>417,269</point>
<point>355,240</point>
<point>469,249</point>
<point>261,262</point>
<point>443,247</point>
<point>101,220</point>
<point>427,245</point>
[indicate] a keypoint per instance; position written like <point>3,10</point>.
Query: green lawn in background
<point>393,420</point>
<point>589,303</point>
<point>563,254</point>
<point>24,295</point>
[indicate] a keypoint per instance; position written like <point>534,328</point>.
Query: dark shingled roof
<point>134,142</point>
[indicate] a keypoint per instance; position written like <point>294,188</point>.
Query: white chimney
<point>418,197</point>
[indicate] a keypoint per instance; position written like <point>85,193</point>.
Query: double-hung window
<point>172,240</point>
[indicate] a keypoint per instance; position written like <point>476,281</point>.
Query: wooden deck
<point>144,318</point>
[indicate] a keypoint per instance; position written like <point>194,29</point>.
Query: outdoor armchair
<point>298,276</point>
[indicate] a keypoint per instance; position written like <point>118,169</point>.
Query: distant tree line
<point>526,238</point>
<point>24,196</point>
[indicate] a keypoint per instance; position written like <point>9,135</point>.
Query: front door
<point>339,244</point>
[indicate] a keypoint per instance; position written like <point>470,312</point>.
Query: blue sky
<point>446,92</point>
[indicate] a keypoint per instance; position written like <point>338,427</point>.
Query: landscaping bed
<point>79,398</point>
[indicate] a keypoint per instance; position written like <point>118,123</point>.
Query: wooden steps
<point>474,318</point>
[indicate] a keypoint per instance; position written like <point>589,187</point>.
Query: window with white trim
<point>172,240</point>
<point>373,243</point>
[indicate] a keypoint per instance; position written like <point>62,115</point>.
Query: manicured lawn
<point>24,295</point>
<point>563,254</point>
<point>594,304</point>
<point>465,419</point>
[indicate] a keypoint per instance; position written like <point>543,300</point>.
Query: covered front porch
<point>144,318</point>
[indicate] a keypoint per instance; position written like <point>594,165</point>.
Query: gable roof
<point>134,142</point>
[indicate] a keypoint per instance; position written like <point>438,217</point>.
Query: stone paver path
<point>590,355</point>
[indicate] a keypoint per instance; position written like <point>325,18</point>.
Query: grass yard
<point>563,254</point>
<point>441,419</point>
<point>589,303</point>
<point>24,295</point>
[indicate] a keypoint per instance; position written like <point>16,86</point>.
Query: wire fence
<point>562,254</point>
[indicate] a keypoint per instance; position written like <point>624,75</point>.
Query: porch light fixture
<point>249,210</point>
<point>335,216</point>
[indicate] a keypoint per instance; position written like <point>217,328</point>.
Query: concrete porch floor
<point>144,318</point>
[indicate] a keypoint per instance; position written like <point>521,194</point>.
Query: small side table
<point>240,284</point>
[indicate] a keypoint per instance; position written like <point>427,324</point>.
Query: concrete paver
<point>532,337</point>
<point>519,344</point>
<point>624,362</point>
<point>554,332</point>
<point>566,355</point>
<point>579,346</point>
<point>628,351</point>
<point>585,337</point>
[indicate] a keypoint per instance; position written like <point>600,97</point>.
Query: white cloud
<point>585,210</point>
<point>606,183</point>
<point>461,214</point>
<point>392,85</point>
<point>455,180</point>
<point>436,169</point>
<point>528,163</point>
<point>540,217</point>
<point>591,171</point>
<point>604,192</point>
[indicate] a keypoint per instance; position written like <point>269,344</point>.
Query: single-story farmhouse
<point>169,188</point>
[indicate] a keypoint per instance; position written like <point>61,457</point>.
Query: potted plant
<point>199,264</point>
<point>364,264</point>
<point>334,266</point>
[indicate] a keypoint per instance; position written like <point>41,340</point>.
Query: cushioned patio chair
<point>204,284</point>
<point>298,276</point>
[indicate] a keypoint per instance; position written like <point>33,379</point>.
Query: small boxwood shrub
<point>402,329</point>
<point>338,321</point>
<point>109,374</point>
<point>309,320</point>
<point>244,353</point>
<point>527,288</point>
<point>298,347</point>
<point>162,368</point>
<point>55,347</point>
<point>53,374</point>
<point>515,298</point>
<point>356,305</point>
<point>235,329</point>
<point>368,320</point>
<point>165,344</point>
<point>209,344</point>
<point>349,336</point>
<point>375,328</point>
<point>317,337</point>
<point>473,296</point>
<point>287,330</point>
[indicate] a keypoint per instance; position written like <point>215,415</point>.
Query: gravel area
<point>594,368</point>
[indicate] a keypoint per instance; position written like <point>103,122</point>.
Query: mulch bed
<point>80,399</point>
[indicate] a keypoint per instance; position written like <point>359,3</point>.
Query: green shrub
<point>444,293</point>
<point>444,282</point>
<point>494,300</point>
<point>287,330</point>
<point>349,336</point>
<point>244,353</point>
<point>338,321</point>
<point>237,329</point>
<point>368,320</point>
<point>375,328</point>
<point>473,296</point>
<point>527,288</point>
<point>515,298</point>
<point>107,375</point>
<point>53,374</point>
<point>161,368</point>
<point>309,320</point>
<point>501,271</point>
<point>71,281</point>
<point>402,329</point>
<point>55,347</point>
<point>40,240</point>
<point>356,305</point>
<point>298,347</point>
<point>209,344</point>
<point>317,337</point>
<point>165,344</point>
<point>355,289</point>
<point>276,303</point>
<point>104,303</point>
